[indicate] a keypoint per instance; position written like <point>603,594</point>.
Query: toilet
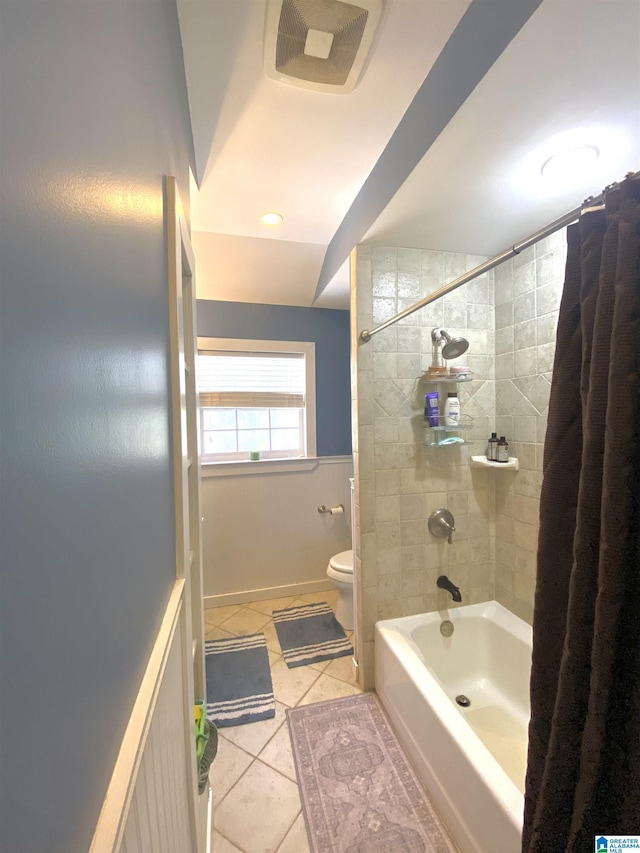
<point>340,572</point>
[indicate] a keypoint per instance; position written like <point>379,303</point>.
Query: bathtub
<point>471,760</point>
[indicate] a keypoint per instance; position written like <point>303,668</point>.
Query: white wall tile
<point>408,286</point>
<point>383,309</point>
<point>524,334</point>
<point>409,339</point>
<point>385,456</point>
<point>432,264</point>
<point>546,331</point>
<point>389,561</point>
<point>408,366</point>
<point>504,340</point>
<point>524,307</point>
<point>504,365</point>
<point>412,532</point>
<point>387,395</point>
<point>385,365</point>
<point>504,314</point>
<point>384,258</point>
<point>550,267</point>
<point>384,341</point>
<point>384,284</point>
<point>387,483</point>
<point>525,362</point>
<point>504,282</point>
<point>455,314</point>
<point>480,317</point>
<point>389,588</point>
<point>408,260</point>
<point>387,508</point>
<point>546,355</point>
<point>480,290</point>
<point>413,558</point>
<point>548,299</point>
<point>522,258</point>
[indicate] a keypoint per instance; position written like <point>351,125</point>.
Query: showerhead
<point>453,347</point>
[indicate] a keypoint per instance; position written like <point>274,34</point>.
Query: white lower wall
<point>159,811</point>
<point>263,536</point>
<point>152,801</point>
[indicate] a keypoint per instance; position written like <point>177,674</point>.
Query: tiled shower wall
<point>510,324</point>
<point>399,480</point>
<point>527,295</point>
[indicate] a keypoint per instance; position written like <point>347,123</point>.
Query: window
<point>256,397</point>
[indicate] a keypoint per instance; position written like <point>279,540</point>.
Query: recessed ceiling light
<point>570,161</point>
<point>271,218</point>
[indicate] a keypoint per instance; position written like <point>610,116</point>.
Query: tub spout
<point>443,582</point>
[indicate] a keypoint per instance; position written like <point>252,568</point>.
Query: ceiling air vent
<point>319,44</point>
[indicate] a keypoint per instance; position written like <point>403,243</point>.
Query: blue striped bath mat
<point>239,687</point>
<point>309,634</point>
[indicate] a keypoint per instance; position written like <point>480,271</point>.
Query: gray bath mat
<point>239,687</point>
<point>310,633</point>
<point>357,789</point>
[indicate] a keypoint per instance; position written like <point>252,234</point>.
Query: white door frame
<point>153,793</point>
<point>186,464</point>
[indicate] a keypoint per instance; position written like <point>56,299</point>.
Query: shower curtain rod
<point>567,219</point>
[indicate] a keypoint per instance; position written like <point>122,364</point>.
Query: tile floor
<point>255,796</point>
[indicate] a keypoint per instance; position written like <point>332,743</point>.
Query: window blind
<point>247,379</point>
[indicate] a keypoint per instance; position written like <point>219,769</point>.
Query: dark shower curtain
<point>583,774</point>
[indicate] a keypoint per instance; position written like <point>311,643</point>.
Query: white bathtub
<point>471,760</point>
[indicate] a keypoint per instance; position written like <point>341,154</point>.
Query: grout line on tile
<point>222,835</point>
<point>283,723</point>
<point>290,828</point>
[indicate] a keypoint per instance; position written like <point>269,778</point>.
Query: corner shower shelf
<point>434,436</point>
<point>483,462</point>
<point>466,377</point>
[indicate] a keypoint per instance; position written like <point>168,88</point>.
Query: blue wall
<point>94,113</point>
<point>328,329</point>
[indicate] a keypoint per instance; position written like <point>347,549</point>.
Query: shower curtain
<point>583,774</point>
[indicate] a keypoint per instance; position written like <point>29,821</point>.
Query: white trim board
<point>268,466</point>
<point>287,590</point>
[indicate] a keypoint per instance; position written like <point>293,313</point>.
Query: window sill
<point>261,466</point>
<point>266,466</point>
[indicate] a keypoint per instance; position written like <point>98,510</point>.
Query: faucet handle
<point>442,524</point>
<point>451,528</point>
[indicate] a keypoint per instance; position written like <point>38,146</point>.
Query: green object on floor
<point>206,752</point>
<point>200,713</point>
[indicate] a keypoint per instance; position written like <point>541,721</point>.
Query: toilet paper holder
<point>332,510</point>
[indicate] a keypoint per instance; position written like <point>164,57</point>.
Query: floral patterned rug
<point>359,793</point>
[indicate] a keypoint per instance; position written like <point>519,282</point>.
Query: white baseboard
<point>292,590</point>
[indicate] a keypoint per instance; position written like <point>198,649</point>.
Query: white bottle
<point>452,409</point>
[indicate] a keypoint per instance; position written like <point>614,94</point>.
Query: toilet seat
<point>342,562</point>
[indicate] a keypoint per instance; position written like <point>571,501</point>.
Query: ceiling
<point>439,145</point>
